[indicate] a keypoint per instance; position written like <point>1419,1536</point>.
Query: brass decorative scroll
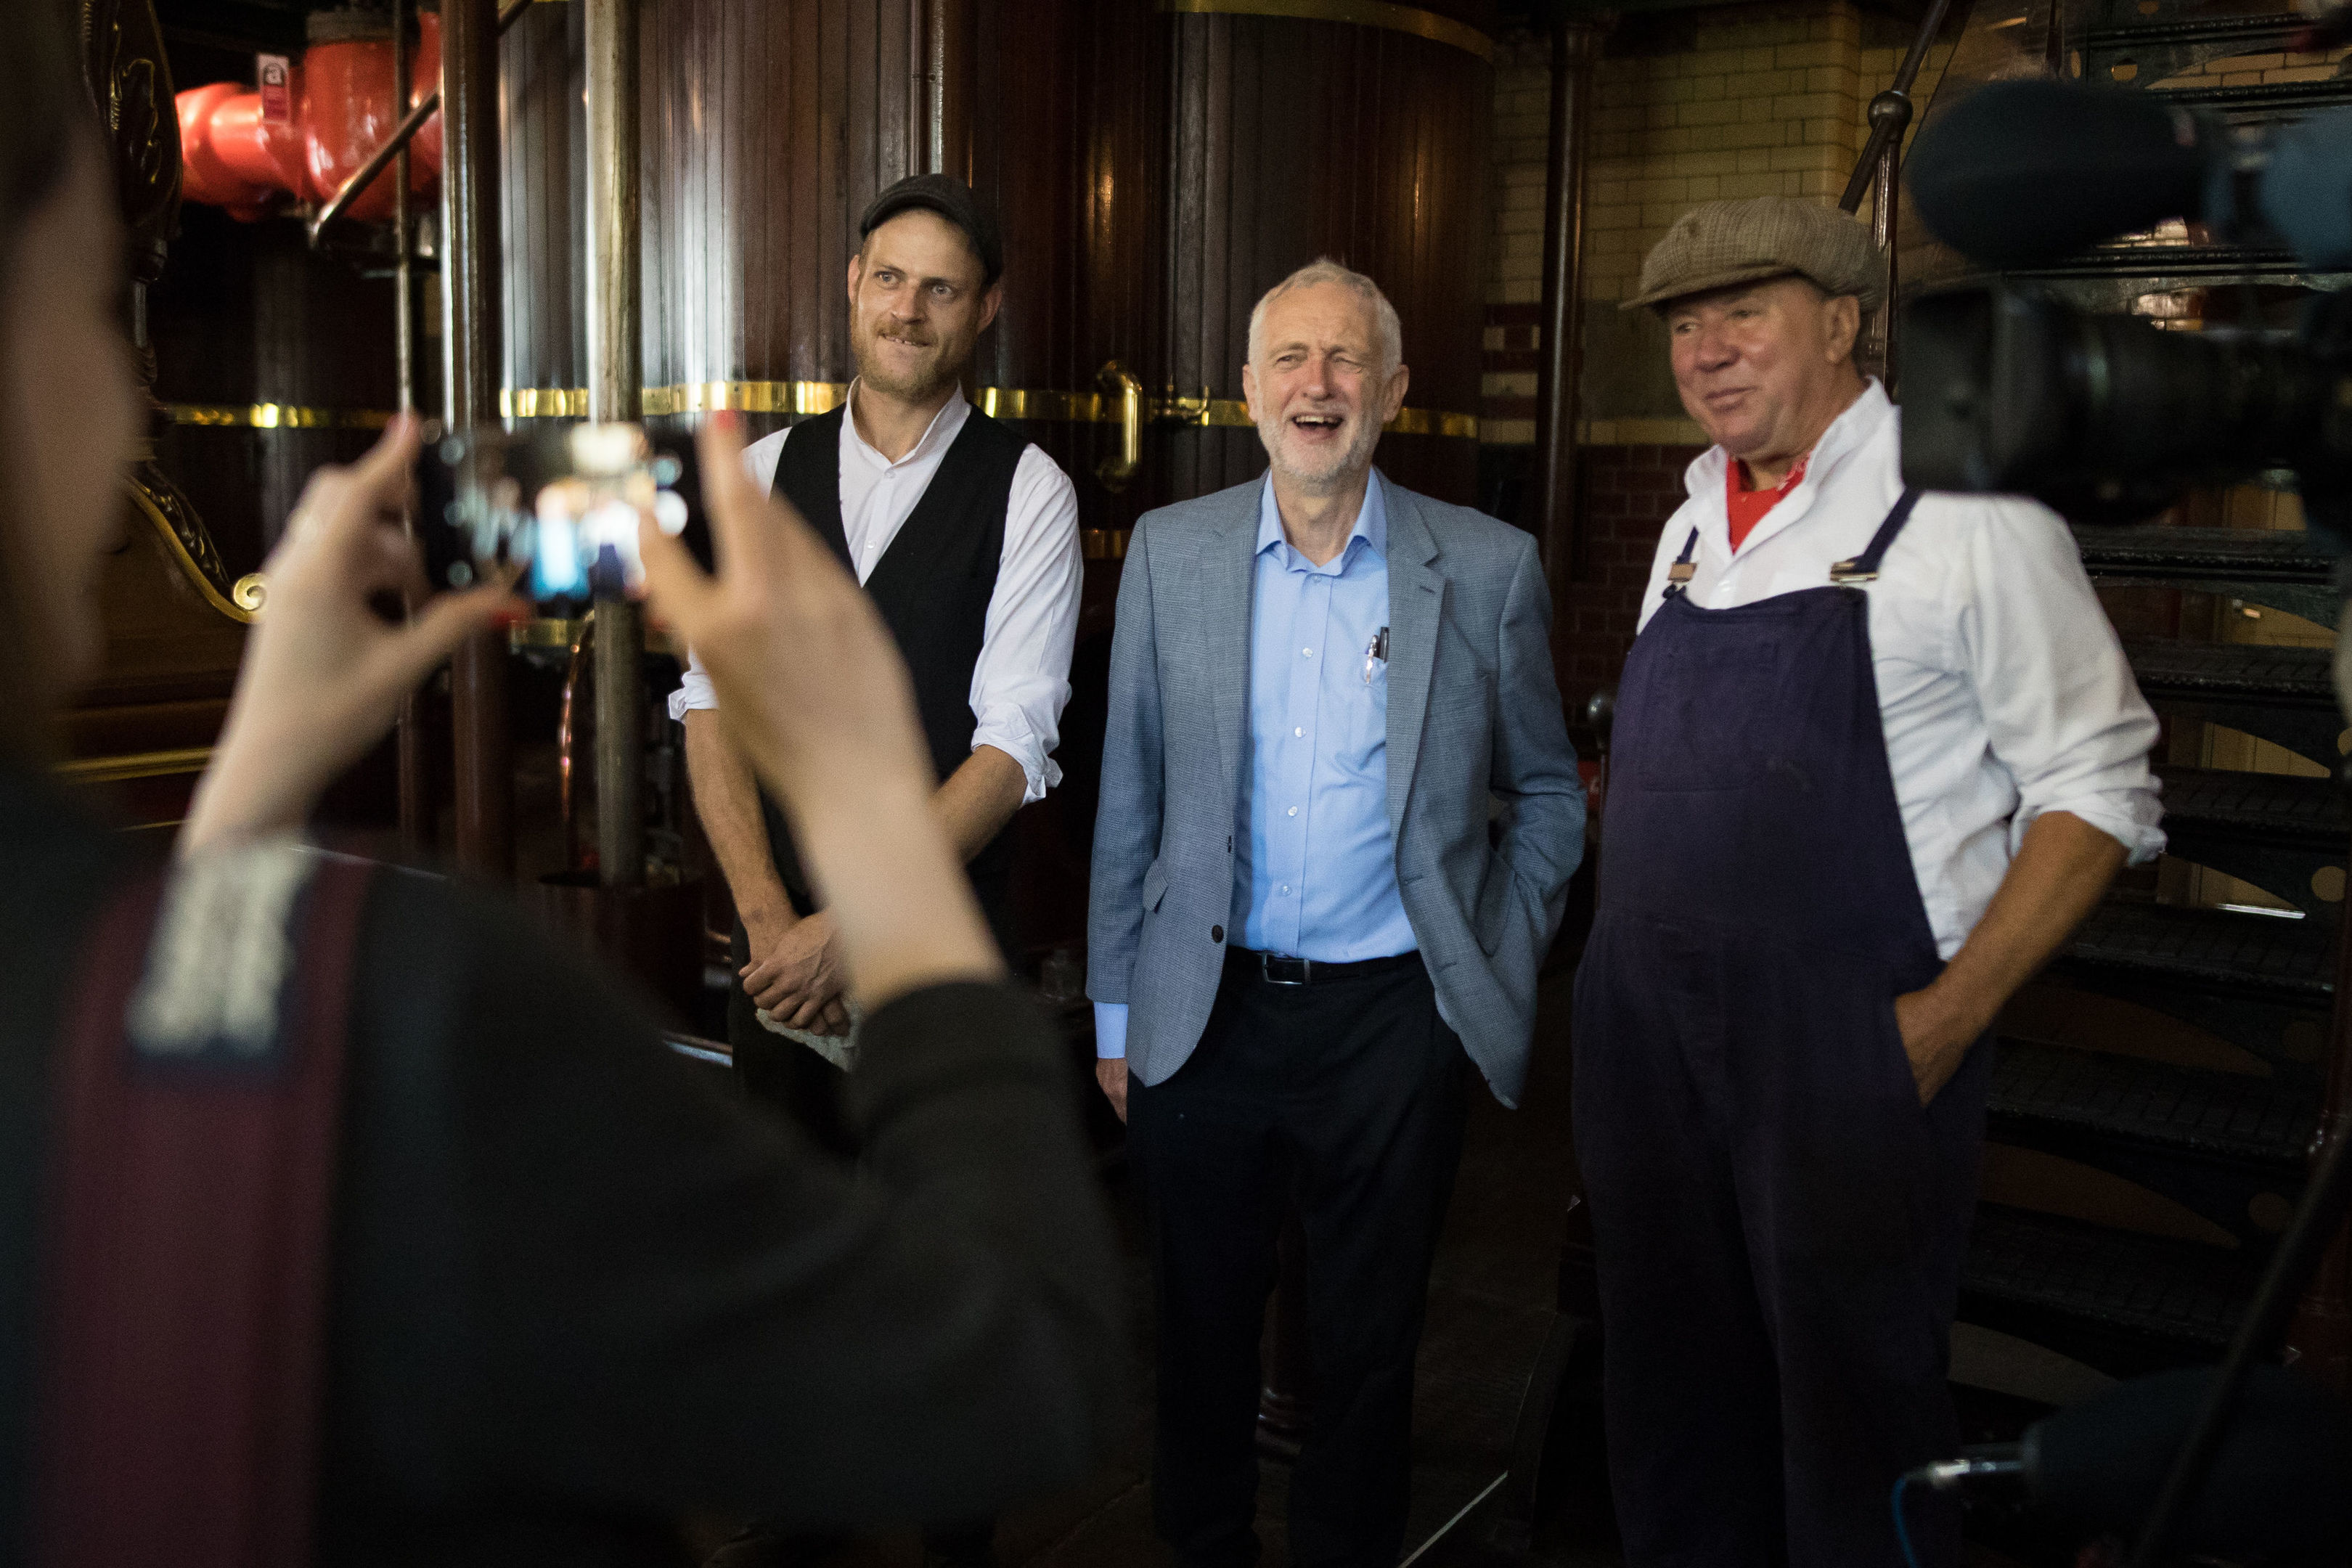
<point>191,547</point>
<point>1362,13</point>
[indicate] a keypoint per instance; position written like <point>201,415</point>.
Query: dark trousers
<point>1780,1226</point>
<point>1345,1100</point>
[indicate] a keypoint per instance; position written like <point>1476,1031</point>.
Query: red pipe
<point>341,109</point>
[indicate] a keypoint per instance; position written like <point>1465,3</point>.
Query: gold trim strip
<point>190,569</point>
<point>744,398</point>
<point>1017,403</point>
<point>542,402</point>
<point>1104,544</point>
<point>137,766</point>
<point>275,417</point>
<point>1363,13</point>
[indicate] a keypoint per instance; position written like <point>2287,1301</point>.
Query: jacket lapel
<point>1416,606</point>
<point>1227,572</point>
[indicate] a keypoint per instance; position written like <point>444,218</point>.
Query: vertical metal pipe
<point>614,375</point>
<point>416,782</point>
<point>947,47</point>
<point>1575,47</point>
<point>2322,1331</point>
<point>470,270</point>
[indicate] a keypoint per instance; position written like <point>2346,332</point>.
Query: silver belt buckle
<point>1266,961</point>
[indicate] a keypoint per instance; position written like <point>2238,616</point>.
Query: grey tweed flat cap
<point>1718,244</point>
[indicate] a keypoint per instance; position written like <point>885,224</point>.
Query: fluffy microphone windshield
<point>2019,173</point>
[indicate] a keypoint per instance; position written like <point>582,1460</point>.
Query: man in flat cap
<point>966,535</point>
<point>1875,755</point>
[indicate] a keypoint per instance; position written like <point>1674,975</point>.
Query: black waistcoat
<point>932,585</point>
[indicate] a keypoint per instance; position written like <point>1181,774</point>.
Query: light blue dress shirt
<point>1315,861</point>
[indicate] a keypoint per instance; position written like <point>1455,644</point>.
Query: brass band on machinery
<point>802,398</point>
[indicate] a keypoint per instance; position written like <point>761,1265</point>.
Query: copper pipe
<point>1575,47</point>
<point>469,273</point>
<point>567,740</point>
<point>397,144</point>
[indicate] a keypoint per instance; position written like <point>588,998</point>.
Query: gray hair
<point>1388,347</point>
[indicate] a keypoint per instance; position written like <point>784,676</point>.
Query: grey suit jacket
<point>1474,734</point>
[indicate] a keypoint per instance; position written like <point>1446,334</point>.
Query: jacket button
<point>1216,933</point>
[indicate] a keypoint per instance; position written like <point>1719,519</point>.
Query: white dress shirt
<point>1023,677</point>
<point>2001,685</point>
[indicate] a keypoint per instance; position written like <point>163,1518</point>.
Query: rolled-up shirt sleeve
<point>1023,677</point>
<point>693,690</point>
<point>760,459</point>
<point>2062,710</point>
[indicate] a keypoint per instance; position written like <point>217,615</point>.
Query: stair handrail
<point>1879,167</point>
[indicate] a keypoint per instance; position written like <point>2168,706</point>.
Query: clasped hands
<point>795,972</point>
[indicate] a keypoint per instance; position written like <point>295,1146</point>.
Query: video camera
<point>2109,418</point>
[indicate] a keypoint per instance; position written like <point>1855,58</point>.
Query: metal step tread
<point>2270,805</point>
<point>2177,264</point>
<point>2231,1115</point>
<point>2256,555</point>
<point>2210,947</point>
<point>2255,672</point>
<point>2202,30</point>
<point>2268,98</point>
<point>2176,1290</point>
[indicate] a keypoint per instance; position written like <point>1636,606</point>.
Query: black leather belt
<point>1279,969</point>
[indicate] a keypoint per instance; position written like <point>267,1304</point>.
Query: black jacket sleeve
<point>573,1271</point>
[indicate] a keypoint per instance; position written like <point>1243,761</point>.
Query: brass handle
<point>1128,392</point>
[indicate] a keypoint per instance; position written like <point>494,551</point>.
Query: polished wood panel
<point>542,199</point>
<point>767,129</point>
<point>1067,146</point>
<point>1290,140</point>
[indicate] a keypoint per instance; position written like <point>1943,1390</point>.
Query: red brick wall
<point>1628,494</point>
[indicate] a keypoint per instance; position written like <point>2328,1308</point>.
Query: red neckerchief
<point>1746,506</point>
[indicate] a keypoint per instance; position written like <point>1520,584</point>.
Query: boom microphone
<point>2277,1485</point>
<point>2021,172</point>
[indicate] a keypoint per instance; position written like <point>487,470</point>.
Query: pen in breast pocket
<point>1376,653</point>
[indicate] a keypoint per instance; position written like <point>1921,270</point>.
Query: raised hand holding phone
<point>323,671</point>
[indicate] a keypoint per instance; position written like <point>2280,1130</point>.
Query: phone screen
<point>561,504</point>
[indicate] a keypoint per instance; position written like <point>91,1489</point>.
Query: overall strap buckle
<point>1864,568</point>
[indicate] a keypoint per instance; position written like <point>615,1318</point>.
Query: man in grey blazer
<point>1340,812</point>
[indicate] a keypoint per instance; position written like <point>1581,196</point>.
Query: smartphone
<point>561,504</point>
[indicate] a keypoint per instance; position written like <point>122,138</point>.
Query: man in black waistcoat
<point>966,536</point>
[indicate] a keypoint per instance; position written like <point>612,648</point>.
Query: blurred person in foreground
<point>568,1291</point>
